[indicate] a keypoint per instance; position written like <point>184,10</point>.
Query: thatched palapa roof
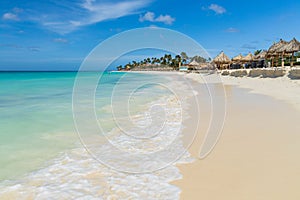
<point>248,58</point>
<point>222,58</point>
<point>238,58</point>
<point>291,47</point>
<point>261,55</point>
<point>275,48</point>
<point>193,63</point>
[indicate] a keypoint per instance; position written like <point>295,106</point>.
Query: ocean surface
<point>48,152</point>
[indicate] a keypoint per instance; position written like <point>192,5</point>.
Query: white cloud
<point>34,49</point>
<point>13,15</point>
<point>72,16</point>
<point>60,40</point>
<point>66,16</point>
<point>150,16</point>
<point>17,10</point>
<point>248,46</point>
<point>104,11</point>
<point>217,9</point>
<point>167,19</point>
<point>232,30</point>
<point>10,16</point>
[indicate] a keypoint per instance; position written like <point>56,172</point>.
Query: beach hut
<point>289,48</point>
<point>260,59</point>
<point>261,55</point>
<point>238,58</point>
<point>248,58</point>
<point>273,51</point>
<point>193,65</point>
<point>222,60</point>
<point>274,48</point>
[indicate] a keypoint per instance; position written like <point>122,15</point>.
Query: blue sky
<point>58,34</point>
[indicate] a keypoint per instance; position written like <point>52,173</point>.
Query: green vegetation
<point>198,59</point>
<point>257,52</point>
<point>184,55</point>
<point>163,62</point>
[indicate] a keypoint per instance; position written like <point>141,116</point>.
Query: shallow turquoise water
<point>36,120</point>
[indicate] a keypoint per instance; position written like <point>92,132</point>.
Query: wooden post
<point>282,60</point>
<point>292,61</point>
<point>272,62</point>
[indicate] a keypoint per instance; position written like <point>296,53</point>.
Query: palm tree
<point>148,60</point>
<point>119,68</point>
<point>184,55</point>
<point>173,63</point>
<point>134,63</point>
<point>153,61</point>
<point>178,58</point>
<point>257,52</point>
<point>169,58</point>
<point>157,60</point>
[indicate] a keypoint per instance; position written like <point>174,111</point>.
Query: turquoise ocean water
<point>38,136</point>
<point>35,119</point>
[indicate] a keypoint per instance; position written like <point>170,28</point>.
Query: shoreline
<point>252,149</point>
<point>85,168</point>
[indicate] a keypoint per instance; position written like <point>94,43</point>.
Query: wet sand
<point>257,155</point>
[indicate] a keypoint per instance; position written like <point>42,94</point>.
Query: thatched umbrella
<point>262,55</point>
<point>276,46</point>
<point>193,65</point>
<point>290,48</point>
<point>221,59</point>
<point>238,58</point>
<point>248,58</point>
<point>273,50</point>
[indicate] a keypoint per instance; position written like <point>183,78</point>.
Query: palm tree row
<point>165,61</point>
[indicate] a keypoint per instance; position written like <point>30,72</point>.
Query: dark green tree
<point>198,59</point>
<point>257,52</point>
<point>119,68</point>
<point>184,55</point>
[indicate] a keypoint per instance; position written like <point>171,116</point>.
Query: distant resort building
<point>187,67</point>
<point>193,65</point>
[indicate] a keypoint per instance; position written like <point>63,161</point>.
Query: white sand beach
<point>281,88</point>
<point>256,156</point>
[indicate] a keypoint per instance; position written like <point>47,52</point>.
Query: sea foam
<point>75,174</point>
